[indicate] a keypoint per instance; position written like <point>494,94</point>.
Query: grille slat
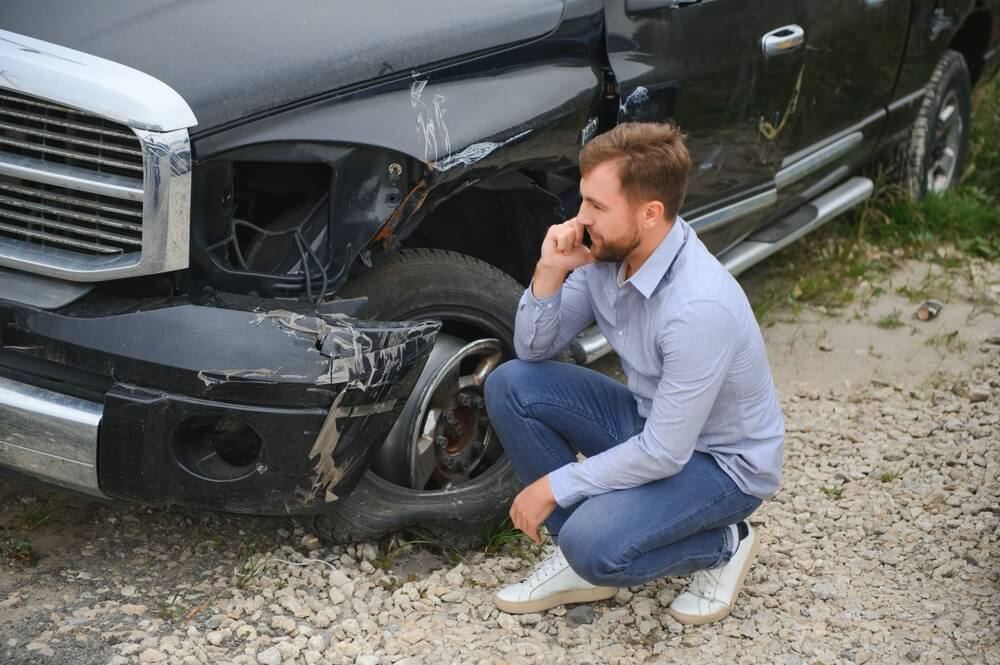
<point>68,124</point>
<point>72,201</point>
<point>71,228</point>
<point>55,239</point>
<point>69,180</point>
<point>81,156</point>
<point>66,138</point>
<point>72,214</point>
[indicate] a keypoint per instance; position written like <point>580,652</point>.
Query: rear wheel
<point>936,150</point>
<point>441,467</point>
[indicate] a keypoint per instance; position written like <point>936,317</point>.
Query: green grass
<point>834,493</point>
<point>891,320</point>
<point>826,268</point>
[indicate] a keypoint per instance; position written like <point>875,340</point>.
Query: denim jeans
<point>546,412</point>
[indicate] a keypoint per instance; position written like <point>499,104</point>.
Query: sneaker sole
<point>562,598</point>
<point>699,619</point>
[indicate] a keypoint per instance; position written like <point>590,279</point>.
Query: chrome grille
<point>63,139</point>
<point>54,133</point>
<point>74,220</point>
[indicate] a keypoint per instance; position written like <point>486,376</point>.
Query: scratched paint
<point>432,129</point>
<point>475,153</point>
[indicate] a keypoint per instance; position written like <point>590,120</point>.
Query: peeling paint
<point>635,98</point>
<point>211,377</point>
<point>474,153</point>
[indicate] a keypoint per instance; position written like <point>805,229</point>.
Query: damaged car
<point>261,258</point>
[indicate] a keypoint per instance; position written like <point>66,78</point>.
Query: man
<point>675,462</point>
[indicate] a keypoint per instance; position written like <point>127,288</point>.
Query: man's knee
<point>503,383</point>
<point>591,556</point>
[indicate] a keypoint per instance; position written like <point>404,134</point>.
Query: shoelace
<point>704,583</point>
<point>547,567</point>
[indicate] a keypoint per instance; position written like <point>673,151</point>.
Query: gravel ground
<point>882,546</point>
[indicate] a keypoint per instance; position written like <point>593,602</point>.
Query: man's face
<point>609,218</point>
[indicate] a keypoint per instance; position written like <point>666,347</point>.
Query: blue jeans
<point>546,412</point>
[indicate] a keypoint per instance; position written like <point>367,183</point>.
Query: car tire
<point>466,294</point>
<point>938,140</point>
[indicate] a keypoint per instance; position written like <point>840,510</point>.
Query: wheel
<point>939,136</point>
<point>441,467</point>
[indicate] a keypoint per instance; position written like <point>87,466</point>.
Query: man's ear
<point>651,211</point>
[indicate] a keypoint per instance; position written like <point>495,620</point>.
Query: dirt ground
<point>82,581</point>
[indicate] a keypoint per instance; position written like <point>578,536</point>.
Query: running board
<point>590,344</point>
<point>765,242</point>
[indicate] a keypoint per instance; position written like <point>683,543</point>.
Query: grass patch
<point>833,493</point>
<point>19,549</point>
<point>890,321</point>
<point>947,341</point>
<point>888,477</point>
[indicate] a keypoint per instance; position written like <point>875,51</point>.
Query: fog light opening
<point>217,448</point>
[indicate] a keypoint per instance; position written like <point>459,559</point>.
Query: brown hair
<point>653,162</point>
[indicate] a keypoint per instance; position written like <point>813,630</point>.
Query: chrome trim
<point>906,100</point>
<point>154,112</point>
<point>38,291</point>
<point>817,160</point>
<point>728,213</point>
<point>92,84</point>
<point>828,206</point>
<point>589,345</point>
<point>782,40</point>
<point>166,211</point>
<point>50,436</point>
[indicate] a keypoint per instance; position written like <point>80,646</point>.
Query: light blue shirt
<point>695,361</point>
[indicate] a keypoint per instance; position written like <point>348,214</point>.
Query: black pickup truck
<point>260,257</point>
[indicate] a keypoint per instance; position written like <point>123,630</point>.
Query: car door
<point>704,64</point>
<point>852,60</point>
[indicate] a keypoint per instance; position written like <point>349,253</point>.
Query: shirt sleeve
<point>698,345</point>
<point>543,327</point>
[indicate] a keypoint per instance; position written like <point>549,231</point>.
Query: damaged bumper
<point>228,403</point>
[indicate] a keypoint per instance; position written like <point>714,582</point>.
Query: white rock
<point>269,656</point>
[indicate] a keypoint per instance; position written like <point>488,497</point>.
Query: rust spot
<point>412,202</point>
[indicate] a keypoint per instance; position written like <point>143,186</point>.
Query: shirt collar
<point>651,273</point>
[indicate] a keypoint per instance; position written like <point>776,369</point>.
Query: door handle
<point>782,40</point>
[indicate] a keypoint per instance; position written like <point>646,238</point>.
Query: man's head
<point>632,180</point>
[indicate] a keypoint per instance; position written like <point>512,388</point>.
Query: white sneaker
<point>712,592</point>
<point>552,583</point>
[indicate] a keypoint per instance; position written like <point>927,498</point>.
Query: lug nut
<point>441,441</point>
<point>464,399</point>
<point>479,403</point>
<point>449,416</point>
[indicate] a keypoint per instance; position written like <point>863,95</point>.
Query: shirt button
<point>621,332</point>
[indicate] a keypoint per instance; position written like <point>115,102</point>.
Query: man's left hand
<point>532,506</point>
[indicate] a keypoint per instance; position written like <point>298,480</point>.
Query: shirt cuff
<point>563,487</point>
<point>546,303</point>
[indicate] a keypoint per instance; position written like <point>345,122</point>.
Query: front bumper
<point>226,403</point>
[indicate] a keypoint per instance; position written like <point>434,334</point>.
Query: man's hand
<point>530,508</point>
<point>562,252</point>
<point>563,247</point>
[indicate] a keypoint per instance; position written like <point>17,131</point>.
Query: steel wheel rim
<point>947,142</point>
<point>443,437</point>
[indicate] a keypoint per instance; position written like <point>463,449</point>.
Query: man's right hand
<point>563,247</point>
<point>562,252</point>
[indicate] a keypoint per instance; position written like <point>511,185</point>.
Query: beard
<point>604,250</point>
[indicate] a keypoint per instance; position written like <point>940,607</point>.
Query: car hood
<point>233,58</point>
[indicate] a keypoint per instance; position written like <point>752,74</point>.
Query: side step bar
<point>590,344</point>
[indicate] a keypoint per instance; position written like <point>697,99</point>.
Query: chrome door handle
<point>782,40</point>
